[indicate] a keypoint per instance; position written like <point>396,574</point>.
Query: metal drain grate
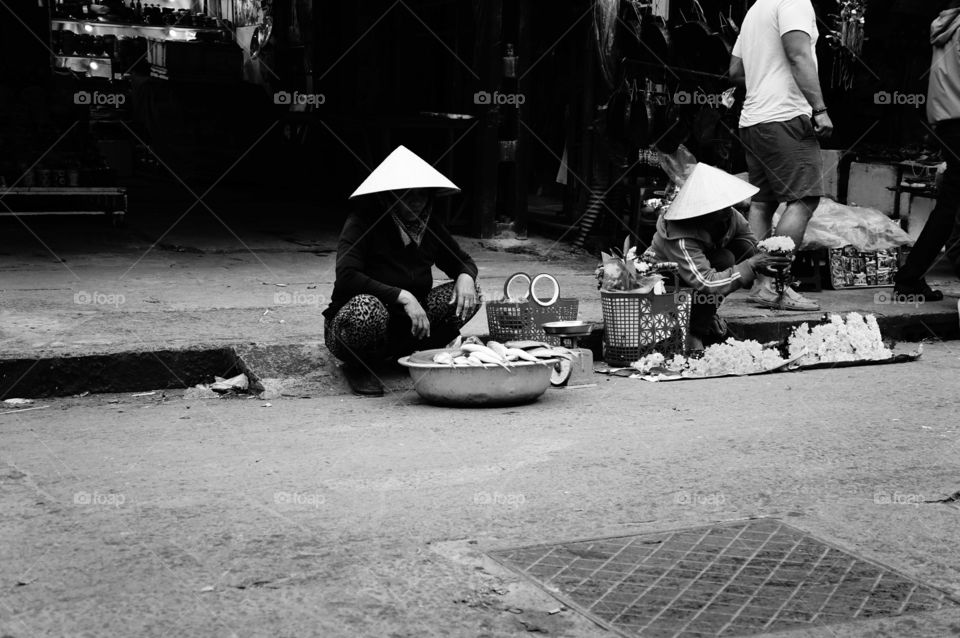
<point>724,580</point>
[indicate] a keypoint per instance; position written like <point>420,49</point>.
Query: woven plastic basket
<point>512,321</point>
<point>637,325</point>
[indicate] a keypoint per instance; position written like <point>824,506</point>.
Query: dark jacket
<point>371,259</point>
<point>943,92</point>
<point>687,243</point>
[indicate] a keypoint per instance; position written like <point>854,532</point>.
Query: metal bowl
<point>469,386</point>
<point>568,328</point>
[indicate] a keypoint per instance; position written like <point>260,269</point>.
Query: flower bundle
<point>627,272</point>
<point>778,245</point>
<point>781,246</point>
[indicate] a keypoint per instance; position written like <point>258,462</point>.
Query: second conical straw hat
<point>707,190</point>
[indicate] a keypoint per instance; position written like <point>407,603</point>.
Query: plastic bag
<point>835,225</point>
<point>678,165</point>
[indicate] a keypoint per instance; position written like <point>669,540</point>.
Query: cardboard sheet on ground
<point>790,365</point>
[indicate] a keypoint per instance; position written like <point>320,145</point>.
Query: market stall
<point>660,81</point>
<point>133,87</point>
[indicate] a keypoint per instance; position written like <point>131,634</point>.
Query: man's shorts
<point>783,159</point>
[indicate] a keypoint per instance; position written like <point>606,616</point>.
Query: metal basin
<point>469,386</point>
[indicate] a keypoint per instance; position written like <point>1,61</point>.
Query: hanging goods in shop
<point>606,15</point>
<point>699,47</point>
<point>846,40</point>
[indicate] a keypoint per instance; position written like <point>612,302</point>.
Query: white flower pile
<point>734,357</point>
<point>730,357</point>
<point>777,245</point>
<point>649,362</point>
<point>854,338</point>
<point>857,338</point>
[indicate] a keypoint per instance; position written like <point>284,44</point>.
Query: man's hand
<point>822,125</point>
<point>768,264</point>
<point>465,296</point>
<point>419,323</point>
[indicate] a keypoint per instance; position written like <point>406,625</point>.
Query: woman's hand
<point>768,264</point>
<point>419,323</point>
<point>465,296</point>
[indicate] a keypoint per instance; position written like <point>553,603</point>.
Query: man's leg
<point>761,223</point>
<point>793,223</point>
<point>943,225</point>
<point>761,218</point>
<point>790,156</point>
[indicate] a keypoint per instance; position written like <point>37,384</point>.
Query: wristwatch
<point>817,112</point>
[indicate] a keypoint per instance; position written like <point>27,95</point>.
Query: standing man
<point>943,111</point>
<point>783,116</point>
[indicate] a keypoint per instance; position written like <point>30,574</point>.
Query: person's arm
<point>451,258</point>
<point>699,274</point>
<point>697,271</point>
<point>737,74</point>
<point>460,267</point>
<point>351,260</point>
<point>743,232</point>
<point>796,44</point>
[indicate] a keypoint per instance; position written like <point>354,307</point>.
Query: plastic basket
<point>513,321</point>
<point>637,325</point>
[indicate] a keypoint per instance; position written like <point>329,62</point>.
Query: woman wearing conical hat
<point>384,304</point>
<point>713,245</point>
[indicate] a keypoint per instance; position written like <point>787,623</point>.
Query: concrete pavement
<point>340,516</point>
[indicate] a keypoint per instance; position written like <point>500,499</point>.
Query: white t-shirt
<point>772,93</point>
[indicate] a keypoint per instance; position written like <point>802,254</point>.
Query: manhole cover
<point>734,579</point>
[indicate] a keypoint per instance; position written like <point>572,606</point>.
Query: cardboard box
<point>851,268</point>
<point>873,186</point>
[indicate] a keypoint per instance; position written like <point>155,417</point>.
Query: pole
<point>488,145</point>
<point>522,162</point>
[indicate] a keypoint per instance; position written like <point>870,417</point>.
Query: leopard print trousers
<point>364,330</point>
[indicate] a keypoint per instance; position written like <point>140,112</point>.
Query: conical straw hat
<point>707,190</point>
<point>403,169</point>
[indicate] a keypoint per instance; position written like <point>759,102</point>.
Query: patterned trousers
<point>365,331</point>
